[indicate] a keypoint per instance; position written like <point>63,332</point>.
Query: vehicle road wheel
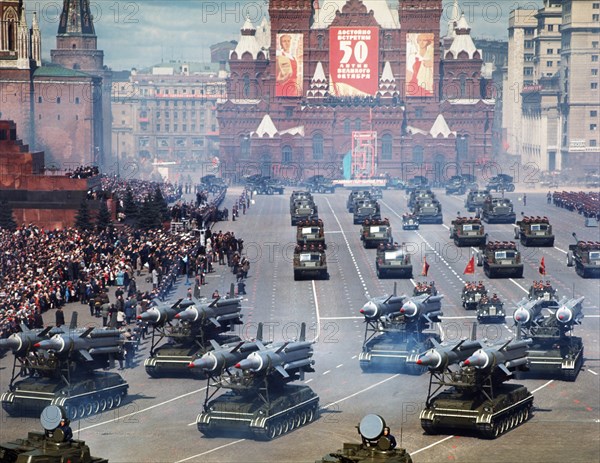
<point>109,403</point>
<point>81,410</point>
<point>102,405</point>
<point>72,412</point>
<point>270,430</point>
<point>89,408</point>
<point>278,429</point>
<point>118,400</point>
<point>297,419</point>
<point>285,426</point>
<point>303,417</point>
<point>95,407</point>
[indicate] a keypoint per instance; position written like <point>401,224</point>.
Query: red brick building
<point>60,106</point>
<point>48,201</point>
<point>320,70</point>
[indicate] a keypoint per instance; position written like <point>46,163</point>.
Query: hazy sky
<point>143,32</point>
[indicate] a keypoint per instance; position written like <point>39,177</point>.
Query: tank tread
<point>571,374</point>
<point>281,425</point>
<point>92,403</point>
<point>504,422</point>
<point>429,427</point>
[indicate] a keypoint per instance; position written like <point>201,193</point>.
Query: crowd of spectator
<point>84,172</point>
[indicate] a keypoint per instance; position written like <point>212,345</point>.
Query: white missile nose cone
<point>409,309</point>
<point>369,308</point>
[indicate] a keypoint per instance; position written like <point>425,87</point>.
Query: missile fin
<point>303,332</point>
<point>260,345</point>
<point>282,371</point>
<point>259,332</point>
<point>23,327</point>
<point>174,306</point>
<point>215,345</point>
<point>86,333</point>
<point>283,346</point>
<point>505,344</point>
<point>86,355</point>
<point>460,343</point>
<point>237,347</point>
<point>44,332</point>
<point>504,369</point>
<point>215,322</point>
<point>73,323</point>
<point>214,302</point>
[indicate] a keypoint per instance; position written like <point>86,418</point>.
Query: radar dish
<point>371,427</point>
<point>51,417</point>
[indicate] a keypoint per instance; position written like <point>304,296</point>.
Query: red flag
<point>542,268</point>
<point>425,267</point>
<point>470,268</point>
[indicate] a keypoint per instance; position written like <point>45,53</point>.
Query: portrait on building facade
<point>353,61</point>
<point>289,65</point>
<point>419,64</point>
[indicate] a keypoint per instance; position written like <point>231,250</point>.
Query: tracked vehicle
<point>534,231</point>
<point>310,261</point>
<point>50,446</point>
<point>498,210</point>
<point>375,233</point>
<point>501,259</point>
<point>585,257</point>
<point>476,199</point>
<point>260,402</point>
<point>467,390</point>
<point>468,231</point>
<point>375,446</point>
<point>393,261</point>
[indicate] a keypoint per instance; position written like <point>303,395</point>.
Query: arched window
<point>319,42</point>
<point>357,124</point>
<point>417,154</point>
<point>463,85</point>
<point>286,154</point>
<point>246,85</point>
<point>386,146</point>
<point>317,145</point>
<point>347,126</point>
<point>245,147</point>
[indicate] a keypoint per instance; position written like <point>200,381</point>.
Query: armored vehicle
<point>476,199</point>
<point>498,210</point>
<point>393,261</point>
<point>356,195</point>
<point>490,310</point>
<point>410,222</point>
<point>585,257</point>
<point>397,329</point>
<point>460,184</point>
<point>501,182</point>
<point>213,183</point>
<point>190,329</point>
<point>501,259</point>
<point>366,210</point>
<point>425,288</point>
<point>303,210</point>
<point>543,292</point>
<point>472,395</point>
<point>472,294</point>
<point>419,194</point>
<point>468,231</point>
<point>269,186</point>
<point>310,261</point>
<point>376,232</point>
<point>375,446</point>
<point>299,195</point>
<point>417,182</point>
<point>428,211</point>
<point>319,184</point>
<point>554,351</point>
<point>259,401</point>
<point>534,231</point>
<point>395,183</point>
<point>54,445</point>
<point>311,232</point>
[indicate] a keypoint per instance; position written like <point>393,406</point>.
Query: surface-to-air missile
<point>260,401</point>
<point>62,371</point>
<point>554,352</point>
<point>395,330</point>
<point>192,329</point>
<point>474,396</point>
<point>375,446</point>
<point>161,314</point>
<point>50,446</point>
<point>23,341</point>
<point>528,312</point>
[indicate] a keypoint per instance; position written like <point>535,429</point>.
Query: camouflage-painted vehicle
<point>534,231</point>
<point>498,210</point>
<point>476,199</point>
<point>501,259</point>
<point>585,257</point>
<point>299,195</point>
<point>393,261</point>
<point>311,232</point>
<point>375,446</point>
<point>376,232</point>
<point>468,231</point>
<point>501,182</point>
<point>50,446</point>
<point>310,261</point>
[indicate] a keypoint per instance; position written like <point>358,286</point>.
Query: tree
<point>148,215</point>
<point>103,220</point>
<point>7,220</point>
<point>161,204</point>
<point>130,207</point>
<point>82,219</point>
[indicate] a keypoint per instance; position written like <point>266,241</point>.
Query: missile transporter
<point>54,445</point>
<point>191,329</point>
<point>356,195</point>
<point>585,257</point>
<point>498,210</point>
<point>259,401</point>
<point>375,233</point>
<point>476,199</point>
<point>422,194</point>
<point>428,211</point>
<point>534,231</point>
<point>375,446</point>
<point>310,261</point>
<point>311,232</point>
<point>61,370</point>
<point>366,210</point>
<point>468,391</point>
<point>393,261</point>
<point>468,231</point>
<point>501,259</point>
<point>397,330</point>
<point>303,210</point>
<point>554,352</point>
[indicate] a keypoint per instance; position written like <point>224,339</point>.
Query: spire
<point>462,41</point>
<point>387,82</point>
<point>22,42</point>
<point>454,17</point>
<point>266,127</point>
<point>76,18</point>
<point>248,42</point>
<point>318,84</point>
<point>440,127</point>
<point>36,41</point>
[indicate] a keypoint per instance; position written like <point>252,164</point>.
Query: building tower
<point>77,48</point>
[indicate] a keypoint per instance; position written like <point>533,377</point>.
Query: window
<point>594,85</point>
<point>76,100</point>
<point>346,126</point>
<point>245,147</point>
<point>167,114</point>
<point>594,113</point>
<point>175,115</point>
<point>317,145</point>
<point>357,124</point>
<point>550,27</point>
<point>595,44</point>
<point>596,17</point>
<point>594,72</point>
<point>246,85</point>
<point>593,127</point>
<point>39,99</point>
<point>550,51</point>
<point>386,146</point>
<point>319,42</point>
<point>529,56</point>
<point>528,71</point>
<point>529,30</point>
<point>549,64</point>
<point>184,128</point>
<point>596,6</point>
<point>158,127</point>
<point>175,128</point>
<point>417,154</point>
<point>418,113</point>
<point>57,100</point>
<point>167,127</point>
<point>594,58</point>
<point>286,154</point>
<point>593,143</point>
<point>289,112</point>
<point>58,117</point>
<point>529,44</point>
<point>463,85</point>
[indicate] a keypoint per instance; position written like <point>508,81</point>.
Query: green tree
<point>130,207</point>
<point>148,217</point>
<point>103,220</point>
<point>82,219</point>
<point>161,204</point>
<point>7,220</point>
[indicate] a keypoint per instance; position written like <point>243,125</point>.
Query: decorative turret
<point>248,43</point>
<point>319,87</point>
<point>387,82</point>
<point>22,42</point>
<point>266,127</point>
<point>440,127</point>
<point>462,43</point>
<point>36,41</point>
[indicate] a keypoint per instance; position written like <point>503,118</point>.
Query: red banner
<point>353,61</point>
